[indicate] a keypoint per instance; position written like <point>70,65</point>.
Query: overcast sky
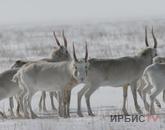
<point>43,11</point>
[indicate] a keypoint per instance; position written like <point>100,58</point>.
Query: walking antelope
<point>58,54</point>
<point>153,78</point>
<point>47,76</point>
<point>118,72</point>
<point>142,86</point>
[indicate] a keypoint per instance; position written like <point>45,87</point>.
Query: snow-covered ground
<point>105,40</point>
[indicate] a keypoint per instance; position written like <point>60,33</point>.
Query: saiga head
<point>80,66</point>
<point>61,53</point>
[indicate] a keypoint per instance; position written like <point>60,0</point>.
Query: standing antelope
<point>118,72</point>
<point>61,55</point>
<point>58,54</point>
<point>47,76</point>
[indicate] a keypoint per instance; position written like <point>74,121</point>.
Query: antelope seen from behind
<point>58,54</point>
<point>153,77</point>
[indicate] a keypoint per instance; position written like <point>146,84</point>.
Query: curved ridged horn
<point>64,38</point>
<point>155,41</point>
<point>57,41</point>
<point>86,52</point>
<point>74,53</point>
<point>146,40</point>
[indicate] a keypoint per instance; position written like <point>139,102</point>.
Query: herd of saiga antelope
<point>59,73</point>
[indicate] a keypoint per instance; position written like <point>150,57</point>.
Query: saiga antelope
<point>58,54</point>
<point>47,76</point>
<point>7,87</point>
<point>118,72</point>
<point>153,77</point>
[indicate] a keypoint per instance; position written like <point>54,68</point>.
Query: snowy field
<point>105,40</point>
